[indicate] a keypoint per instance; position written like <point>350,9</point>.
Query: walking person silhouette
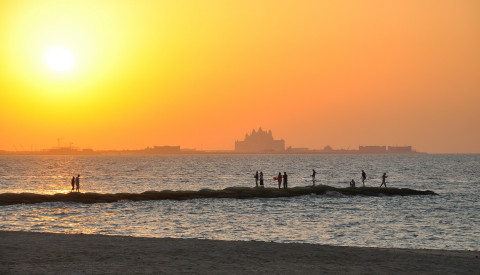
<point>384,176</point>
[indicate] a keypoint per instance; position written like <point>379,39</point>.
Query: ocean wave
<point>231,192</point>
<point>334,194</point>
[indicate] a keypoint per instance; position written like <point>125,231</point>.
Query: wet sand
<point>47,253</point>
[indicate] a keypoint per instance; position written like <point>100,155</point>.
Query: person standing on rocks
<point>77,181</point>
<point>73,184</point>
<point>279,179</point>
<point>313,176</point>
<point>285,180</point>
<point>364,177</point>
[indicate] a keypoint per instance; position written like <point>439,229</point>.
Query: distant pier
<point>231,192</point>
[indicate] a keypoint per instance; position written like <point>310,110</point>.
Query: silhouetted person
<point>279,179</point>
<point>384,176</point>
<point>77,181</point>
<point>352,183</point>
<point>261,179</point>
<point>256,179</point>
<point>285,180</point>
<point>313,176</point>
<point>364,177</point>
<point>73,184</point>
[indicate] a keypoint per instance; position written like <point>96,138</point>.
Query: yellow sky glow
<point>202,73</point>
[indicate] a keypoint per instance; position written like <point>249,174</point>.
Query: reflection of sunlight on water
<point>44,175</point>
<point>330,219</point>
<point>136,174</point>
<point>65,218</point>
<point>359,221</point>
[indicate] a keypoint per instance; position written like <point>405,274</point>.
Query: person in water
<point>256,179</point>
<point>313,176</point>
<point>261,179</point>
<point>352,183</point>
<point>384,176</point>
<point>364,177</point>
<point>73,184</point>
<point>285,180</point>
<point>77,181</point>
<point>279,179</point>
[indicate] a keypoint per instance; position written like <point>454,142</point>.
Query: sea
<point>449,220</point>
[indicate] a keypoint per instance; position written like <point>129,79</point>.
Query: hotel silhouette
<point>260,142</point>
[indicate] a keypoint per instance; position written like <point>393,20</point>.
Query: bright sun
<point>59,59</point>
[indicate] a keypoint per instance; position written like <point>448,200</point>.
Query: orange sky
<point>200,74</point>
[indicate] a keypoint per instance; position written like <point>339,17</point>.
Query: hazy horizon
<point>201,74</point>
<point>20,148</point>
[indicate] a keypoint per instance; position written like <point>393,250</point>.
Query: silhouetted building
<point>163,150</point>
<point>400,149</point>
<point>372,149</point>
<point>260,142</point>
<point>62,151</point>
<point>291,149</point>
<point>328,148</point>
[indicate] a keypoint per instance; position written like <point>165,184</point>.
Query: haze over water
<point>446,221</point>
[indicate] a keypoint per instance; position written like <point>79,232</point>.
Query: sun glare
<point>59,59</point>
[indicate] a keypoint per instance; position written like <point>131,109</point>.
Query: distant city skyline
<point>257,141</point>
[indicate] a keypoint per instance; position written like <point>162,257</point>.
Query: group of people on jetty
<point>259,179</point>
<point>364,177</point>
<point>284,178</point>
<point>279,178</point>
<point>76,183</point>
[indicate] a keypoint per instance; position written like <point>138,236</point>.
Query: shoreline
<point>33,252</point>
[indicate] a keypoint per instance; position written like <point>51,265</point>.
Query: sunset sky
<point>200,74</point>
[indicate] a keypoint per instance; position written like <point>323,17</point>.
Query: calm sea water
<point>447,221</point>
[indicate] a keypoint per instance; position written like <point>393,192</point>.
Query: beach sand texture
<point>47,253</point>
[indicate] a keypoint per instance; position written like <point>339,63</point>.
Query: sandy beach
<point>47,253</point>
